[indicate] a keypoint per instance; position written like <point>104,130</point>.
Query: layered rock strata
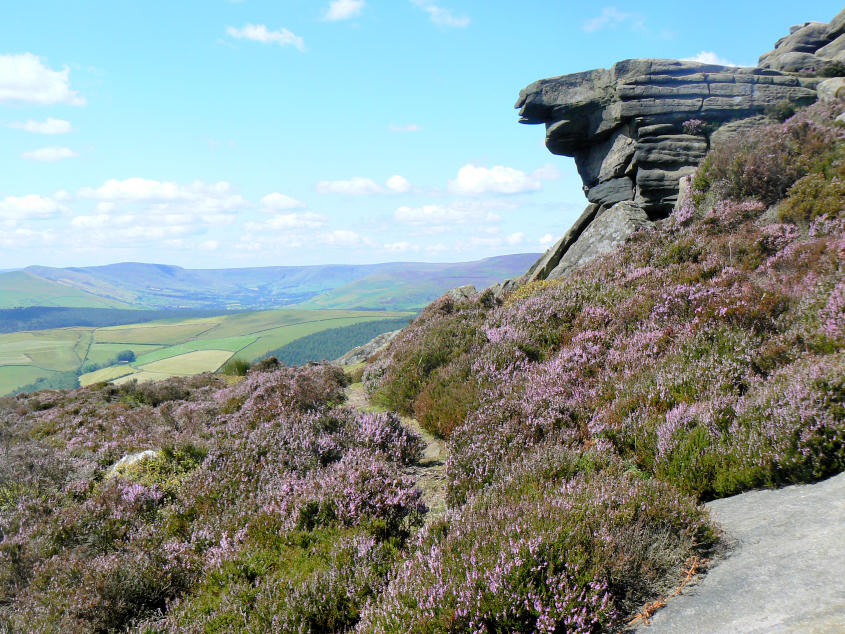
<point>637,129</point>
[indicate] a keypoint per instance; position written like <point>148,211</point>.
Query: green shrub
<point>834,69</point>
<point>780,111</point>
<point>235,367</point>
<point>811,197</point>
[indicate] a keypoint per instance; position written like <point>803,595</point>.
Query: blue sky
<point>218,133</point>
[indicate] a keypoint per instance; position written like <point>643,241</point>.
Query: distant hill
<point>393,285</point>
<point>23,288</point>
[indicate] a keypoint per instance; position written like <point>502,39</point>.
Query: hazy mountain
<point>390,285</point>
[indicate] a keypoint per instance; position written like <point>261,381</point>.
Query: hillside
<point>389,286</point>
<point>23,288</point>
<point>683,343</point>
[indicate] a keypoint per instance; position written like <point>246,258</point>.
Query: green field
<point>189,363</point>
<point>14,376</point>
<point>163,348</point>
<point>106,374</point>
<point>104,352</point>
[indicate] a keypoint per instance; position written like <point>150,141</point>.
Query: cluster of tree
<point>332,343</point>
<point>57,381</point>
<point>124,356</point>
<point>47,317</point>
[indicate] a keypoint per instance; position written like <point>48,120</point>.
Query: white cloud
<point>139,211</point>
<point>13,209</point>
<point>25,79</point>
<point>442,16</point>
<point>499,179</point>
<point>709,57</point>
<point>355,186</point>
<point>163,196</point>
<point>280,202</point>
<point>49,154</point>
<point>209,245</point>
<point>50,126</point>
<point>359,186</point>
<point>345,238</point>
<point>515,238</point>
<point>611,17</point>
<point>407,127</point>
<point>432,216</point>
<point>22,238</point>
<point>343,10</point>
<point>260,33</point>
<point>398,184</point>
<point>401,247</point>
<point>546,240</point>
<point>280,222</point>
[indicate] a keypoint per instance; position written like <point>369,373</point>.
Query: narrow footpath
<point>430,471</point>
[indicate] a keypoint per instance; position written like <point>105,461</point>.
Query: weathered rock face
<point>638,129</point>
<point>362,353</point>
<point>813,47</point>
<point>625,126</point>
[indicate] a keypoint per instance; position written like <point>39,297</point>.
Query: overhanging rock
<point>638,128</point>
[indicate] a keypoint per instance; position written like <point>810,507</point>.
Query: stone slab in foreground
<point>785,573</point>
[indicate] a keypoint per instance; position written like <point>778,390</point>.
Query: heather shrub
<point>765,163</point>
<point>566,541</point>
<point>411,381</point>
<point>225,518</point>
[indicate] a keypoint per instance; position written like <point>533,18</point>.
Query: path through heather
<point>430,471</point>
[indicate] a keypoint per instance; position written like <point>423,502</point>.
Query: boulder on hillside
<point>610,229</point>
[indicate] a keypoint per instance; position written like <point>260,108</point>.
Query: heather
<point>586,420</point>
<point>703,358</point>
<point>263,497</point>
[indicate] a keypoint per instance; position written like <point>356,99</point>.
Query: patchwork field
<point>163,348</point>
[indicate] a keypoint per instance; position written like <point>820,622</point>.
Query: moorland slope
<point>586,416</point>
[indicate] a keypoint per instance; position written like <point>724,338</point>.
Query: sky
<point>222,133</point>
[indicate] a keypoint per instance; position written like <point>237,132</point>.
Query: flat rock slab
<point>785,572</point>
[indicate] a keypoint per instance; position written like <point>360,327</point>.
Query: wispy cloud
<point>17,208</point>
<point>612,17</point>
<point>343,10</point>
<point>709,57</point>
<point>25,79</point>
<point>50,126</point>
<point>260,33</point>
<point>280,202</point>
<point>407,127</point>
<point>442,16</point>
<point>49,154</point>
<point>433,217</point>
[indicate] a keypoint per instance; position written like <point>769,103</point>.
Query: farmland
<point>163,348</point>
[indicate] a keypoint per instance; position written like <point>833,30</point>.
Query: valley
<point>163,348</point>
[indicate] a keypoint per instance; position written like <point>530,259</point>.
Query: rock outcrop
<point>362,353</point>
<point>812,47</point>
<point>637,129</point>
